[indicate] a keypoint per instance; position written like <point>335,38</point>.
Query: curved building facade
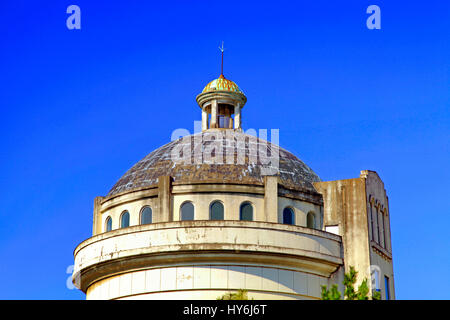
<point>221,210</point>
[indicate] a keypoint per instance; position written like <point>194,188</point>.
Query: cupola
<point>221,102</point>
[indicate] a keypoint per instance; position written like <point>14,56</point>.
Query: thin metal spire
<point>222,49</point>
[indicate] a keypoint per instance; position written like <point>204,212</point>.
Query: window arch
<point>246,212</point>
<point>187,211</point>
<point>288,216</point>
<point>108,224</point>
<point>146,215</point>
<point>216,211</point>
<point>125,220</point>
<point>311,220</point>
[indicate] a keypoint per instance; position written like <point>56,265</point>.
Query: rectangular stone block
<point>300,283</point>
<point>114,287</point>
<point>314,289</point>
<point>219,277</point>
<point>253,278</point>
<point>270,279</point>
<point>168,279</point>
<point>286,281</point>
<point>202,277</point>
<point>125,284</point>
<point>138,282</point>
<point>153,280</point>
<point>236,277</point>
<point>185,277</point>
<point>104,289</point>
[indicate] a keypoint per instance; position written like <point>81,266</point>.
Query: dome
<point>292,172</point>
<point>222,84</point>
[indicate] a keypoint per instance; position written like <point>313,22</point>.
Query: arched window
<point>246,212</point>
<point>381,227</point>
<point>384,229</point>
<point>288,216</point>
<point>146,215</point>
<point>377,224</point>
<point>372,223</point>
<point>311,220</point>
<point>375,277</point>
<point>216,211</point>
<point>125,220</point>
<point>187,211</point>
<point>108,224</point>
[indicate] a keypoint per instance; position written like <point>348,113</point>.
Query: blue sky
<point>80,107</point>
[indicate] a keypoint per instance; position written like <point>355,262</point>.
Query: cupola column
<point>237,116</point>
<point>204,119</point>
<point>214,114</point>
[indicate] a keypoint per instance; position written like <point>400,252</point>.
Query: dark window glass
<point>146,216</point>
<point>387,287</point>
<point>378,227</point>
<point>384,230</point>
<point>125,220</point>
<point>375,224</point>
<point>108,224</point>
<point>372,223</point>
<point>216,211</point>
<point>187,211</point>
<point>311,220</point>
<point>288,216</point>
<point>224,121</point>
<point>246,213</point>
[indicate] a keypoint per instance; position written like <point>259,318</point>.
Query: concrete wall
<point>202,202</point>
<point>347,210</point>
<point>209,282</point>
<point>345,205</point>
<point>380,251</point>
<point>274,260</point>
<point>134,208</point>
<point>231,203</point>
<point>301,209</point>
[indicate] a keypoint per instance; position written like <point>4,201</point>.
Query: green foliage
<point>332,294</point>
<point>349,292</point>
<point>349,283</point>
<point>376,295</point>
<point>241,294</point>
<point>363,291</point>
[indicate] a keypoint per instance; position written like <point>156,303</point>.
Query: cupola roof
<point>222,84</point>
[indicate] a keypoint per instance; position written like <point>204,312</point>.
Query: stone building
<point>222,210</point>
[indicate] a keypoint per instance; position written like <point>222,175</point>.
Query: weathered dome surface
<point>202,154</point>
<point>222,84</point>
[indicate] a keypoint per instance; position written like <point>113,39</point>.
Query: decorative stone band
<point>383,252</point>
<point>181,188</point>
<point>221,97</point>
<point>171,243</point>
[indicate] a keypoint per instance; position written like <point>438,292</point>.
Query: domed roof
<point>292,172</point>
<point>222,84</point>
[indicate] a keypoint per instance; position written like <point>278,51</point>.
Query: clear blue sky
<point>80,107</point>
